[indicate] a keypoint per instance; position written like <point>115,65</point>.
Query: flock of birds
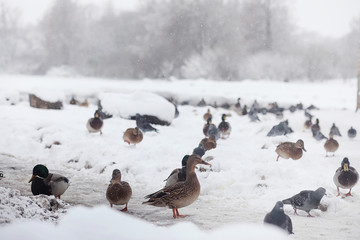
<point>182,187</point>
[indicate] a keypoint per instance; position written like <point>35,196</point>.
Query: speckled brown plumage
<point>290,150</point>
<point>133,135</point>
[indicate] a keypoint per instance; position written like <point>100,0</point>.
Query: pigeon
<point>312,107</point>
<point>200,150</point>
<point>351,132</point>
<point>281,129</point>
<point>213,131</point>
<point>253,114</point>
<point>292,108</point>
<point>315,127</point>
<point>335,130</point>
<point>319,136</point>
<point>278,218</point>
<point>308,115</point>
<point>143,124</point>
<point>306,200</point>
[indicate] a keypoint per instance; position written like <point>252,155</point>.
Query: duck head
<point>345,164</point>
<point>116,176</point>
<point>39,171</point>
<point>209,120</point>
<point>194,160</point>
<point>300,144</point>
<point>97,114</point>
<point>223,117</point>
<point>184,160</point>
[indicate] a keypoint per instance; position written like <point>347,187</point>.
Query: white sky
<point>327,17</point>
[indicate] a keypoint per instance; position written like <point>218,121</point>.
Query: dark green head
<point>184,160</point>
<point>223,117</point>
<point>209,120</point>
<point>345,164</point>
<point>40,171</point>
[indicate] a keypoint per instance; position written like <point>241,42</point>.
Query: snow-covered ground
<point>242,185</point>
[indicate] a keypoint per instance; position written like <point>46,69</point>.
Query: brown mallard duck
<point>290,150</point>
<point>209,143</point>
<point>331,145</point>
<point>95,124</point>
<point>43,182</point>
<point>345,177</point>
<point>118,192</point>
<point>181,194</point>
<point>207,115</point>
<point>133,135</point>
<point>224,127</point>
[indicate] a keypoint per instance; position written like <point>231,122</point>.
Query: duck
<point>345,177</point>
<point>308,123</point>
<point>43,182</point>
<point>224,127</point>
<point>133,136</point>
<point>143,124</point>
<point>181,194</point>
<point>95,124</point>
<point>207,115</point>
<point>306,200</point>
<point>290,150</point>
<point>237,107</point>
<point>334,130</point>
<point>118,192</point>
<point>209,143</point>
<point>351,132</point>
<point>178,174</point>
<point>331,145</point>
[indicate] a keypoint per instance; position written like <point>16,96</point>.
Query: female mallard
<point>118,192</point>
<point>331,145</point>
<point>209,143</point>
<point>181,194</point>
<point>133,135</point>
<point>207,115</point>
<point>178,174</point>
<point>290,150</point>
<point>345,177</point>
<point>43,182</point>
<point>224,127</point>
<point>95,124</point>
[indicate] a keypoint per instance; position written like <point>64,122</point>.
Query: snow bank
<point>105,223</point>
<point>145,103</point>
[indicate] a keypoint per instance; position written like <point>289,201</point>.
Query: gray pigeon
<point>213,131</point>
<point>278,218</point>
<point>335,130</point>
<point>281,129</point>
<point>308,115</point>
<point>143,124</point>
<point>306,200</point>
<point>351,133</point>
<point>200,150</point>
<point>319,136</point>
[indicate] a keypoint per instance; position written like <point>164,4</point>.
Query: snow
<point>242,185</point>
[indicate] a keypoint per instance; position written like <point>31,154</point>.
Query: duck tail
<point>286,201</point>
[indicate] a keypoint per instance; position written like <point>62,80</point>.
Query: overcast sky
<point>327,17</point>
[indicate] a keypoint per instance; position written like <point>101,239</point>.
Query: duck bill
<point>32,178</point>
<point>304,149</point>
<point>205,163</point>
<point>346,167</point>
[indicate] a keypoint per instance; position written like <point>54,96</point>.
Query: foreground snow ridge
<point>104,223</point>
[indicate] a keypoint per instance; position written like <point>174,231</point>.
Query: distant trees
<point>217,39</point>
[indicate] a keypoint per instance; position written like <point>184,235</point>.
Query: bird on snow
<point>345,176</point>
<point>253,114</point>
<point>334,130</point>
<point>206,126</point>
<point>95,124</point>
<point>290,150</point>
<point>133,136</point>
<point>315,127</point>
<point>306,200</point>
<point>319,136</point>
<point>43,182</point>
<point>143,124</point>
<point>331,145</point>
<point>178,174</point>
<point>209,143</point>
<point>118,192</point>
<point>281,129</point>
<point>181,194</point>
<point>351,132</point>
<point>213,131</point>
<point>199,150</point>
<point>224,127</point>
<point>207,115</point>
<point>278,218</point>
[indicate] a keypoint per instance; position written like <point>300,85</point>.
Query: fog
<point>187,39</point>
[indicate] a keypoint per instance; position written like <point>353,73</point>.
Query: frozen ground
<point>242,185</point>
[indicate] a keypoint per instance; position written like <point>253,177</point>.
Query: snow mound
<point>14,207</point>
<point>145,103</point>
<point>104,223</point>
